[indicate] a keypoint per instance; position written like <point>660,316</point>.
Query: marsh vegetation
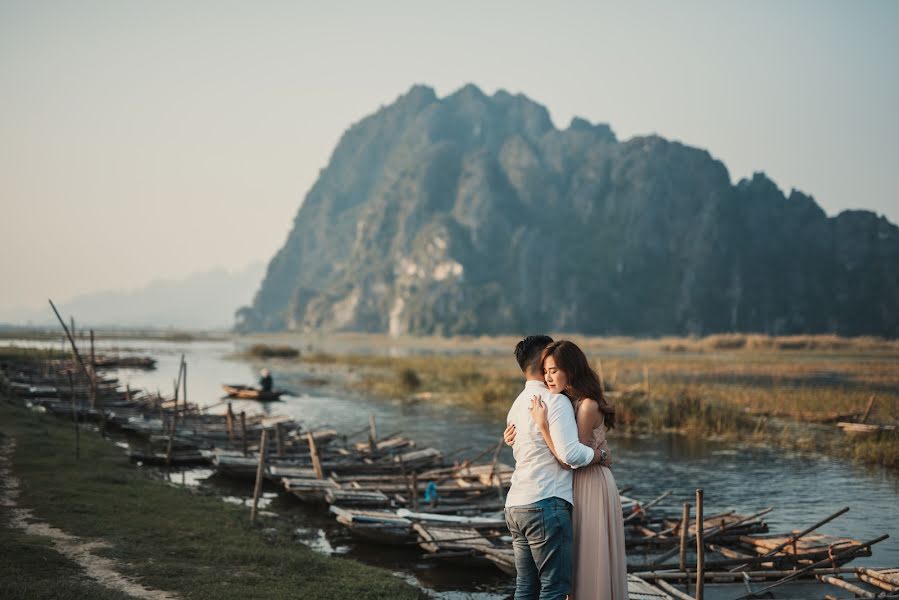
<point>787,391</point>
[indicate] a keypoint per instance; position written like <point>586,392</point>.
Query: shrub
<point>409,380</point>
<point>266,351</point>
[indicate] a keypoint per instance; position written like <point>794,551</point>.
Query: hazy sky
<point>141,140</point>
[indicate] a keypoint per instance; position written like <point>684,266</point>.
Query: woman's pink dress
<point>600,562</point>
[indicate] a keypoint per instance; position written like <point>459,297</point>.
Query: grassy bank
<point>759,389</point>
<point>167,538</point>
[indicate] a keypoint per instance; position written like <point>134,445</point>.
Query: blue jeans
<point>541,540</point>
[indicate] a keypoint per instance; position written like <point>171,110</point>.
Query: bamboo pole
<point>718,563</point>
<point>372,434</point>
<point>499,483</point>
<point>313,451</point>
<point>793,539</point>
<point>168,450</point>
<point>747,582</point>
<point>883,574</point>
<point>279,440</point>
<point>260,471</point>
<point>728,576</point>
<point>684,528</point>
<point>184,383</point>
<point>673,591</point>
<point>647,506</point>
<point>93,373</point>
<point>170,443</point>
<point>484,453</point>
<point>700,546</point>
<point>406,481</point>
<point>71,339</point>
<point>243,430</point>
<point>875,578</point>
<point>868,410</point>
<point>854,589</point>
<point>229,422</point>
<point>176,383</point>
<point>75,417</point>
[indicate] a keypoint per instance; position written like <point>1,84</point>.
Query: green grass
<point>166,537</point>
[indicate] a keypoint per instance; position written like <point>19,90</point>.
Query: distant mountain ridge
<point>204,300</point>
<point>473,214</point>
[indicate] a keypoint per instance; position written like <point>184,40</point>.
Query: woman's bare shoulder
<point>588,405</point>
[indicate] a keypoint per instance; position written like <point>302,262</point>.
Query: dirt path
<point>104,570</point>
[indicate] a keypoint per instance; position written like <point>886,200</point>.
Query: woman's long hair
<point>582,379</point>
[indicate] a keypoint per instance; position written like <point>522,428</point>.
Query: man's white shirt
<point>537,473</point>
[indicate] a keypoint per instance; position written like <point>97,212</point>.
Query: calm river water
<point>802,488</point>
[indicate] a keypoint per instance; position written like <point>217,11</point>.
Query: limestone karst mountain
<point>473,214</point>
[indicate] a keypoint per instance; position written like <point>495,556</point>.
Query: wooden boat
<point>356,498</point>
<point>125,362</point>
<point>483,521</point>
<point>34,391</point>
<point>309,490</point>
<point>245,392</point>
<point>865,428</point>
<point>179,458</point>
<point>382,526</point>
<point>460,544</point>
<point>502,558</point>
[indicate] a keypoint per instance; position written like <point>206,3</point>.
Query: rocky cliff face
<point>472,214</point>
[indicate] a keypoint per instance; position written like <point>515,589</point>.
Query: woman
<point>600,567</point>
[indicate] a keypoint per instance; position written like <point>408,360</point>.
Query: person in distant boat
<point>265,382</point>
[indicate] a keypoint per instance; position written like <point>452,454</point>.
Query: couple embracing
<point>563,508</point>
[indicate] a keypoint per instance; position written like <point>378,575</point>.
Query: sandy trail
<point>103,570</point>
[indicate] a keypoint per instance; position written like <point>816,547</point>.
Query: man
<point>538,506</point>
<point>265,382</point>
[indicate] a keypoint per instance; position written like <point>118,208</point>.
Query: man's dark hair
<point>527,351</point>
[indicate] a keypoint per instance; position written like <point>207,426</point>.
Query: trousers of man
<point>542,543</point>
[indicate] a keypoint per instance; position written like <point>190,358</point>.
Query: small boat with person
<point>246,392</point>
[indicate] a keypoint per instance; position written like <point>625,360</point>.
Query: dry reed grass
<point>737,393</point>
